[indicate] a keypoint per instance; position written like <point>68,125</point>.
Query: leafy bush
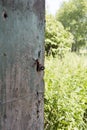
<point>66,93</point>
<point>58,40</point>
<point>73,16</point>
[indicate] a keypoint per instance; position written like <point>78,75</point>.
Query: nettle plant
<point>66,93</point>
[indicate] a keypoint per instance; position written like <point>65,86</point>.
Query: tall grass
<point>66,93</point>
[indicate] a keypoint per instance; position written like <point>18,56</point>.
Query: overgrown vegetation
<point>73,16</point>
<point>66,93</point>
<point>58,40</point>
<point>66,72</point>
<point>68,29</point>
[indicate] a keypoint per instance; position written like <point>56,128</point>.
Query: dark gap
<point>5,15</point>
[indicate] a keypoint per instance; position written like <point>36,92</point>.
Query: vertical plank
<point>21,85</point>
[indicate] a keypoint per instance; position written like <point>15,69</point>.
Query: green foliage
<point>58,40</point>
<point>66,93</point>
<point>73,15</point>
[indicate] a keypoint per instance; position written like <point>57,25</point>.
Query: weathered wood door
<point>21,64</point>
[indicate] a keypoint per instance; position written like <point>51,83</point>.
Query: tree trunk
<point>21,64</point>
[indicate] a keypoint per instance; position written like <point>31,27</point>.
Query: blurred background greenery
<point>66,67</point>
